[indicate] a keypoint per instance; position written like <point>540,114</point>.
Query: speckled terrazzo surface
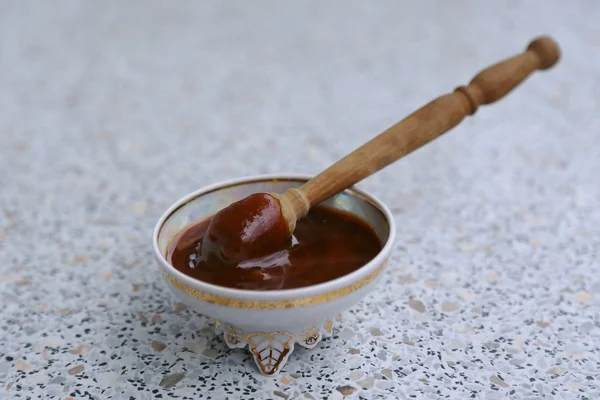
<point>111,111</point>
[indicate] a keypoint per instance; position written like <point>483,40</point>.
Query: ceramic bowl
<point>271,323</point>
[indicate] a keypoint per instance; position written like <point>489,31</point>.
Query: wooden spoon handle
<point>425,124</point>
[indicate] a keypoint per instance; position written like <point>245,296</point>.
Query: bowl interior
<point>205,203</point>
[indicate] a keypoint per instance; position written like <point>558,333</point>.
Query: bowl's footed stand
<point>271,350</point>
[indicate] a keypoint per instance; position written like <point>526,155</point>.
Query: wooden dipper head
<point>263,223</point>
<point>252,227</point>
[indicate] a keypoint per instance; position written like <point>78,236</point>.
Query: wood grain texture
<point>421,127</point>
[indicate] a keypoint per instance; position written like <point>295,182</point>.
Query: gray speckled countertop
<point>111,111</point>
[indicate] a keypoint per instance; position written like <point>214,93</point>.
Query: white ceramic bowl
<point>270,323</point>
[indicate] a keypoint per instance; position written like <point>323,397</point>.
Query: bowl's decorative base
<point>271,350</point>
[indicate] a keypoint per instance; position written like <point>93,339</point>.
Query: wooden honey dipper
<point>263,223</point>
